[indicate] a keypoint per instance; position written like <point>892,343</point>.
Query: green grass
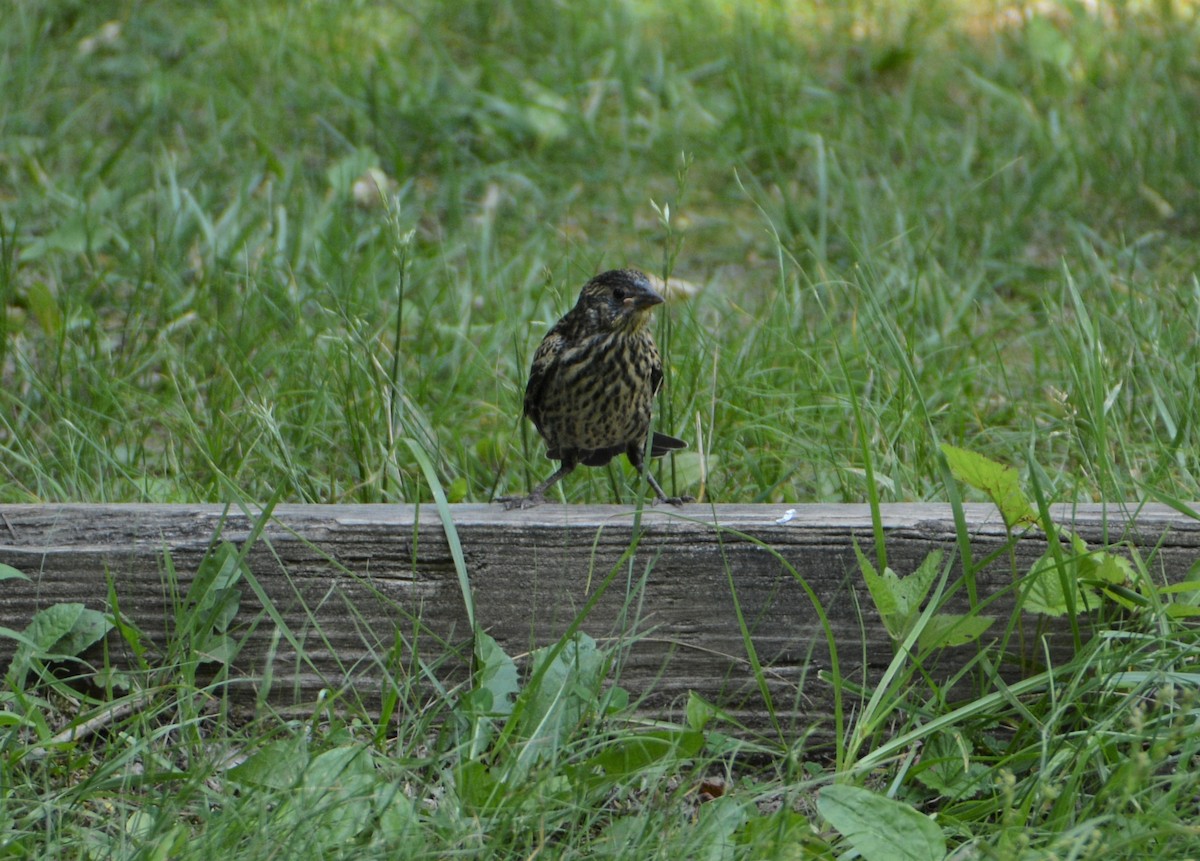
<point>914,223</point>
<point>195,307</point>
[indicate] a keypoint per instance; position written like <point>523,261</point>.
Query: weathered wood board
<point>346,578</point>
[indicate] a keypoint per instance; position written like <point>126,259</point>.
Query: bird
<point>593,380</point>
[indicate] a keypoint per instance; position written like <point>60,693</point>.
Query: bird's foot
<point>521,502</point>
<point>675,500</point>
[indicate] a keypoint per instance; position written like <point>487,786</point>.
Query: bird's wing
<point>541,371</point>
<point>656,373</point>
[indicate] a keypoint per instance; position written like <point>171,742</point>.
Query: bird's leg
<point>636,457</point>
<point>538,496</point>
<point>662,497</point>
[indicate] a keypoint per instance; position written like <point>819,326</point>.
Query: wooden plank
<point>346,578</point>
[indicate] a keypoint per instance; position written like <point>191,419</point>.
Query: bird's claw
<point>521,502</point>
<point>675,500</point>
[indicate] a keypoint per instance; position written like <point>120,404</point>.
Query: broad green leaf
<point>277,765</point>
<point>898,599</point>
<point>217,648</point>
<point>1043,591</point>
<point>496,674</point>
<point>140,825</point>
<point>164,845</point>
<point>947,766</point>
<point>910,591</point>
<point>631,754</point>
<point>225,604</point>
<point>217,571</point>
<point>783,835</point>
<point>881,589</point>
<point>567,690</point>
<point>90,627</point>
<point>716,827</point>
<point>616,700</point>
<point>213,599</point>
<point>880,828</point>
<point>617,836</point>
<point>60,630</point>
<point>398,816</point>
<point>7,572</point>
<point>700,711</point>
<point>475,707</point>
<point>477,788</point>
<point>49,626</point>
<point>953,629</point>
<point>1001,483</point>
<point>334,790</point>
<point>1111,568</point>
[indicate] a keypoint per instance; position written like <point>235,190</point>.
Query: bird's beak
<point>645,298</point>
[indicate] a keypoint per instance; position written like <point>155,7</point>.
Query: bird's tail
<point>661,444</point>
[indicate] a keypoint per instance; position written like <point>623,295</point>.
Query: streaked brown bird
<point>593,381</point>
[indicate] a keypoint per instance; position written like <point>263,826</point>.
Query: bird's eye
<point>619,294</point>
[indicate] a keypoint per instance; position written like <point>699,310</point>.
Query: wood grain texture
<point>347,580</point>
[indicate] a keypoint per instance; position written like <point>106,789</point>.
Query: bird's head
<point>619,299</point>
